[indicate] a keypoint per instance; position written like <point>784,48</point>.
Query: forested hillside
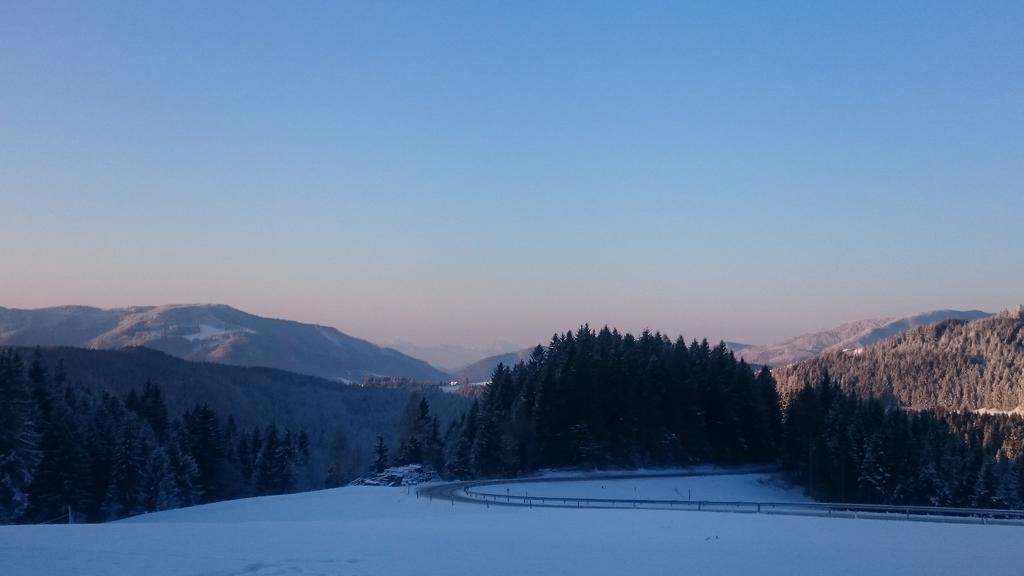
<point>848,449</point>
<point>953,365</point>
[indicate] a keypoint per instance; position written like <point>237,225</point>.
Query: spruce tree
<point>380,451</point>
<point>18,437</point>
<point>126,492</point>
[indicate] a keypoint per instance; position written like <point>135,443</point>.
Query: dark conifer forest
<point>604,399</point>
<point>848,449</point>
<point>67,454</point>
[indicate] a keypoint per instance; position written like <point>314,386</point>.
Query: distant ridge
<point>481,370</point>
<point>952,365</point>
<point>213,333</point>
<point>848,336</point>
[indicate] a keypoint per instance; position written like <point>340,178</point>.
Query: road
<point>471,493</point>
<point>458,491</point>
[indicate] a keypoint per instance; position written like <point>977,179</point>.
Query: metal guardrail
<point>823,509</point>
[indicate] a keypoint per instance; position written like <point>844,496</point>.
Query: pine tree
<point>152,409</point>
<point>183,469</point>
<point>274,469</point>
<point>380,451</point>
<point>61,478</point>
<point>461,463</point>
<point>18,438</point>
<point>206,446</point>
<point>419,435</point>
<point>158,487</point>
<point>126,492</point>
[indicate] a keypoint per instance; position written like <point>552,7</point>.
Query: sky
<point>471,172</point>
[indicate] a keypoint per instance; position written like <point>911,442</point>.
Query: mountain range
<point>848,336</point>
<point>225,335</point>
<point>481,370</point>
<point>452,357</point>
<point>214,333</point>
<point>952,365</point>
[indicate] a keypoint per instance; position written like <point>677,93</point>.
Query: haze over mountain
<point>452,357</point>
<point>952,365</point>
<point>847,336</point>
<point>213,333</point>
<point>481,370</point>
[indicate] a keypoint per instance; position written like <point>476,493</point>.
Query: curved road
<point>464,492</point>
<point>456,491</point>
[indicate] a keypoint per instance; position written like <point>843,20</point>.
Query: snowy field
<point>389,531</point>
<point>738,487</point>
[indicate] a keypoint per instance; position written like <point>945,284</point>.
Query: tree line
<point>597,399</point>
<point>69,454</point>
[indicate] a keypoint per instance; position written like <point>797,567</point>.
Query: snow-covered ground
<point>389,531</point>
<point>206,332</point>
<point>738,487</point>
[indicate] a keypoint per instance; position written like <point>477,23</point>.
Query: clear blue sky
<point>464,172</point>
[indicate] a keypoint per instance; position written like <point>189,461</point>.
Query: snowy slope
<point>214,333</point>
<point>848,336</point>
<point>389,531</point>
